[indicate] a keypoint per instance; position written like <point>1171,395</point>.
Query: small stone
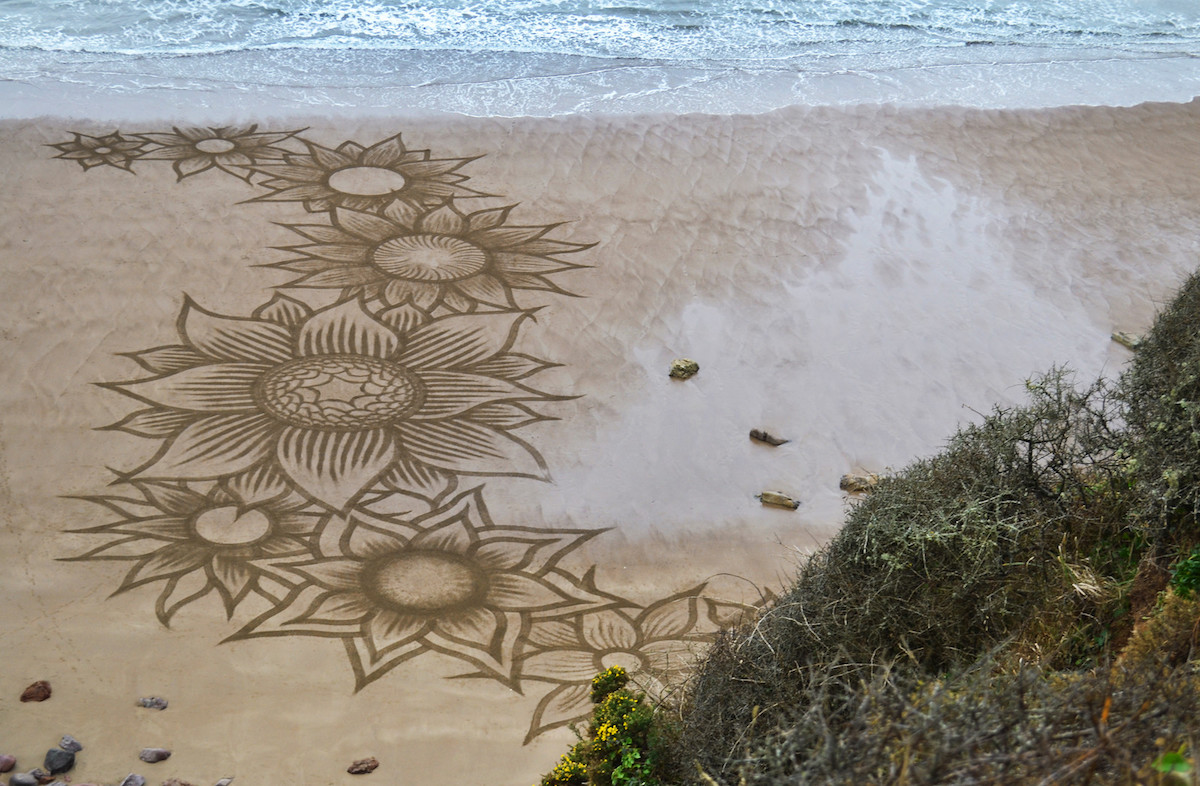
<point>224,782</point>
<point>154,755</point>
<point>778,500</point>
<point>58,760</point>
<point>858,484</point>
<point>69,743</point>
<point>684,368</point>
<point>770,439</point>
<point>133,780</point>
<point>363,766</point>
<point>152,702</point>
<point>7,762</point>
<point>38,691</point>
<point>175,782</point>
<point>23,779</point>
<point>1127,340</point>
<point>42,776</point>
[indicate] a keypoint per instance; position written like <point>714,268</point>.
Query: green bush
<point>623,739</point>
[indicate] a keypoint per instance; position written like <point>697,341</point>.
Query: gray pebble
<point>23,779</point>
<point>41,775</point>
<point>7,762</point>
<point>224,782</point>
<point>58,760</point>
<point>69,743</point>
<point>152,702</point>
<point>152,755</point>
<point>133,780</point>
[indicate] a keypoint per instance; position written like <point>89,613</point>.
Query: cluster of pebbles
<point>61,760</point>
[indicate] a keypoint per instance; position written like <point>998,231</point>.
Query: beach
<point>857,279</point>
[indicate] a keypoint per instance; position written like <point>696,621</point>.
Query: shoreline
<point>366,84</point>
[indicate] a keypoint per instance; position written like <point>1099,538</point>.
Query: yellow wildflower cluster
<point>566,771</point>
<point>611,673</point>
<point>606,732</point>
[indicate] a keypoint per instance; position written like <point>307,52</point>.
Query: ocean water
<point>557,56</point>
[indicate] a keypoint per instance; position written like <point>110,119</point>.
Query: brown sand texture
<point>310,433</point>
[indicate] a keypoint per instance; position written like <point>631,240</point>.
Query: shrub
<point>623,739</point>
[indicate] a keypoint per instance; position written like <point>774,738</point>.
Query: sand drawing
<point>317,461</point>
<point>109,150</point>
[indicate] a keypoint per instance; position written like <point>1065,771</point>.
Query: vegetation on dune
<point>1023,607</point>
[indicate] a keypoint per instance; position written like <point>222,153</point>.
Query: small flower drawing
<point>430,257</point>
<point>450,581</point>
<point>196,543</point>
<point>109,150</point>
<point>361,178</point>
<point>230,149</point>
<point>657,643</point>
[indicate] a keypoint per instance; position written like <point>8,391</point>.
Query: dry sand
<point>857,280</point>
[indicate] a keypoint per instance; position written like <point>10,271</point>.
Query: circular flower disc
<point>429,258</point>
<point>215,146</point>
<point>366,181</point>
<point>425,582</point>
<point>339,392</point>
<point>225,526</point>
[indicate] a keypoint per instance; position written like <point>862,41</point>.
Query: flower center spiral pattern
<point>339,392</point>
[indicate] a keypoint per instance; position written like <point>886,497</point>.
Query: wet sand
<point>858,280</point>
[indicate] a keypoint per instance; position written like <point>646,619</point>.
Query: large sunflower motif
<point>196,543</point>
<point>364,178</point>
<point>108,150</point>
<point>450,581</point>
<point>337,400</point>
<point>658,643</point>
<point>429,257</point>
<point>230,149</point>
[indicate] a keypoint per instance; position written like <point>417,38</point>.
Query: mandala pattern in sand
<point>308,455</point>
<point>432,257</point>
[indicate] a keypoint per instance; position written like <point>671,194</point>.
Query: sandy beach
<point>858,280</point>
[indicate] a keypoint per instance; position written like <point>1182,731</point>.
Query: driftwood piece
<point>770,439</point>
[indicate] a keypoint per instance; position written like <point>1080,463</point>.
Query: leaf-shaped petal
<point>610,630</point>
<point>256,486</point>
<point>168,359</point>
<point>444,220</point>
<point>449,393</point>
<point>563,665</point>
<point>154,423</point>
<point>367,226</point>
<point>388,630</point>
<point>384,154</point>
<point>477,625</point>
<point>457,341</point>
<point>486,289</point>
<point>672,617</point>
<point>213,446</point>
<point>218,387</point>
<point>171,498</point>
<point>335,575</point>
<point>230,338</point>
<point>347,329</point>
<point>521,592</point>
<point>334,467</point>
<point>470,448</point>
<point>487,219</point>
<point>283,310</point>
<point>562,706</point>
